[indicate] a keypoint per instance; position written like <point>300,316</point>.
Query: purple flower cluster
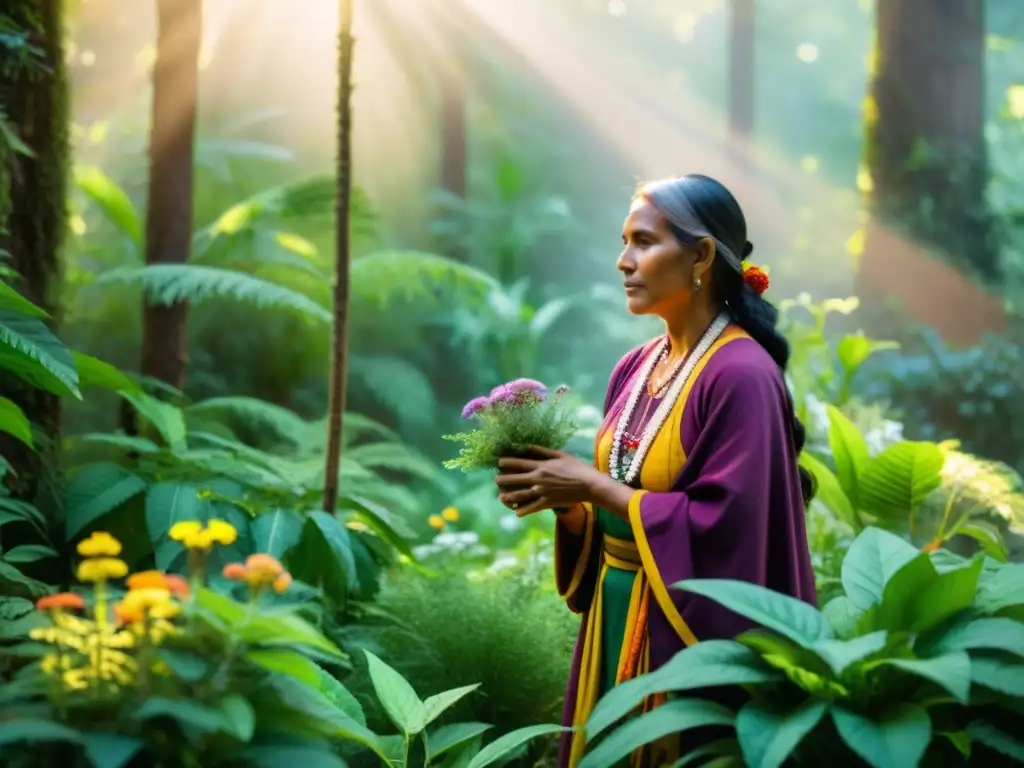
<point>517,392</point>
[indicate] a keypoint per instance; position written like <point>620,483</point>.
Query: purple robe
<point>726,505</point>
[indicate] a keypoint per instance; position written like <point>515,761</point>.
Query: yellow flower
<point>185,529</point>
<point>436,521</point>
<point>101,569</point>
<point>148,602</point>
<point>99,544</point>
<point>451,514</point>
<point>222,532</point>
<point>194,535</point>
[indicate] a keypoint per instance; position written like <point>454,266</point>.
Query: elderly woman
<point>696,470</point>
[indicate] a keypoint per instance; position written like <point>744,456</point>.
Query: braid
<point>759,318</point>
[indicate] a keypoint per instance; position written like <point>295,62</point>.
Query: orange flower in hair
<point>756,278</point>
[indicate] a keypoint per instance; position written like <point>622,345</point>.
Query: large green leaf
<point>93,372</point>
<point>897,738</point>
<point>323,556</point>
<point>993,738</point>
<point>918,597</point>
<point>989,634</point>
<point>709,663</point>
<point>284,627</point>
<point>397,697</point>
<point>191,714</point>
<point>504,745</point>
<point>94,491</point>
<point>285,661</point>
<point>769,733</point>
<point>830,492</point>
<point>167,504</point>
<point>339,695</point>
<point>672,717</point>
<point>165,418</point>
<point>799,621</point>
<point>112,202</point>
<point>437,704</point>
<point>899,478</point>
<point>276,531</point>
<point>951,671</point>
<point>999,675</point>
<point>238,715</point>
<point>450,736</point>
<point>843,616</point>
<point>14,422</point>
<point>110,750</point>
<point>1002,589</point>
<point>840,654</point>
<point>850,452</point>
<point>29,350</point>
<point>32,731</point>
<point>12,301</point>
<point>872,559</point>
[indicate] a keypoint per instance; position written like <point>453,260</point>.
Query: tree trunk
<point>33,192</point>
<point>926,155</point>
<point>339,337</point>
<point>741,69</point>
<point>169,211</point>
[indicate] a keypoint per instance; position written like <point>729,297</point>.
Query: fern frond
<point>253,412</point>
<point>398,385</point>
<point>415,276</point>
<point>29,350</point>
<point>395,457</point>
<point>170,283</point>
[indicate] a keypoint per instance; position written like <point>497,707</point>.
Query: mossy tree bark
<point>926,157</point>
<point>169,210</point>
<point>339,335</point>
<point>33,219</point>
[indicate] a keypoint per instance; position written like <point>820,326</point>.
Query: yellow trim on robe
<point>581,563</point>
<point>662,464</point>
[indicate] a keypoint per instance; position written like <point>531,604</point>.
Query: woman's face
<point>657,272</point>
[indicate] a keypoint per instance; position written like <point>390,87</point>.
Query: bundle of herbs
<point>513,417</point>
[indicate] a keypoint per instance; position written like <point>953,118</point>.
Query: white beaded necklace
<point>628,475</point>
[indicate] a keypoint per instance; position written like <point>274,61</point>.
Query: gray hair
<point>669,197</point>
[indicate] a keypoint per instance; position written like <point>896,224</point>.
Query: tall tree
<point>339,335</point>
<point>33,213</point>
<point>169,210</point>
<point>741,69</point>
<point>926,154</point>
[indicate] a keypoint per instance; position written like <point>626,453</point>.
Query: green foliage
<point>493,625</point>
<point>917,658</point>
<point>457,741</point>
<point>187,464</point>
<point>510,421</point>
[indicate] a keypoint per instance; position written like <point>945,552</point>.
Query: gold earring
<point>696,284</point>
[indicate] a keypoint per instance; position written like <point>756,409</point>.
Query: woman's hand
<point>555,480</point>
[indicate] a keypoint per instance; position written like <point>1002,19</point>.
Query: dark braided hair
<point>715,213</point>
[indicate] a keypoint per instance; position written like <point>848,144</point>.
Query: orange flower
<point>146,580</point>
<point>62,601</point>
<point>263,566</point>
<point>172,582</point>
<point>436,522</point>
<point>176,585</point>
<point>282,582</point>
<point>931,546</point>
<point>234,571</point>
